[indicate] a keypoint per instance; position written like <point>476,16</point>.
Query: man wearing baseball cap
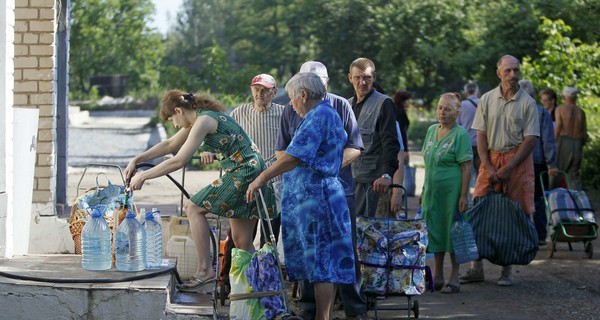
<point>260,119</point>
<point>354,303</point>
<point>570,133</point>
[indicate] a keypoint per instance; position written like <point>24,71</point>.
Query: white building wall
<point>28,81</point>
<point>7,21</point>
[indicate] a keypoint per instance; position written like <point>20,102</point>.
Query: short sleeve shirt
<point>262,127</point>
<point>506,122</point>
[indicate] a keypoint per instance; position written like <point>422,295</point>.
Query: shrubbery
<point>590,170</point>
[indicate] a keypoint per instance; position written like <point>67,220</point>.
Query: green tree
<point>113,37</point>
<point>567,62</point>
<point>417,39</point>
<point>570,62</point>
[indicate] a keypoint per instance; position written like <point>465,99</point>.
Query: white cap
<point>569,92</point>
<point>317,68</point>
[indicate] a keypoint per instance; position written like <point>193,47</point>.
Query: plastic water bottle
<point>153,240</point>
<point>419,213</point>
<point>131,244</point>
<point>96,252</point>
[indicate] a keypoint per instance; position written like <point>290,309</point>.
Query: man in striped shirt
<point>261,120</point>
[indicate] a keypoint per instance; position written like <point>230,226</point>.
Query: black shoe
<point>362,316</point>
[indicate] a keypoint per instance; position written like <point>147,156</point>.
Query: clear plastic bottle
<point>96,252</point>
<point>153,240</point>
<point>419,214</point>
<point>131,244</point>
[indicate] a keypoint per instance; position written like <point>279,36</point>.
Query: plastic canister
<point>183,248</point>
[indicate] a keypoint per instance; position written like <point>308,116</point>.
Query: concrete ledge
<point>24,299</point>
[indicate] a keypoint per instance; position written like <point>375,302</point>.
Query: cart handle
<point>387,202</point>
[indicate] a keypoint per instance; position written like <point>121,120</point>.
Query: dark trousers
<point>354,301</point>
<point>539,218</point>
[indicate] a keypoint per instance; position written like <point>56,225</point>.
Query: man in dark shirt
<point>377,122</point>
<point>354,303</point>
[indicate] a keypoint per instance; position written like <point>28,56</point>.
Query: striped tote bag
<point>503,232</point>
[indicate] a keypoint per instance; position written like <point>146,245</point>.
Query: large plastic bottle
<point>131,244</point>
<point>95,243</point>
<point>419,214</point>
<point>153,240</point>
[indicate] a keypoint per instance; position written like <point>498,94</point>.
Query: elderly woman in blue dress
<point>316,229</point>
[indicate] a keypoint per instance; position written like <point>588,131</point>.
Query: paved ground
<point>564,287</point>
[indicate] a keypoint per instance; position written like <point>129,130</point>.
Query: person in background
<point>544,159</point>
<point>376,119</point>
<point>508,128</point>
<point>316,227</point>
<point>447,153</point>
<point>466,117</point>
<point>571,134</point>
<point>549,99</point>
<point>401,100</point>
<point>260,119</point>
<point>203,126</point>
<point>354,302</point>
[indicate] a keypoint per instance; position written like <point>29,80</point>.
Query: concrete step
<point>31,286</point>
<point>191,306</point>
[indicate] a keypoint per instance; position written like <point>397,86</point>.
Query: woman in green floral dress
<point>205,127</point>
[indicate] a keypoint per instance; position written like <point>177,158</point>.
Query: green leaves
<point>426,46</point>
<point>113,37</point>
<point>567,62</point>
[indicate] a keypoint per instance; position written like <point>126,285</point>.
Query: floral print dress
<point>241,164</point>
<point>315,219</point>
<point>443,183</point>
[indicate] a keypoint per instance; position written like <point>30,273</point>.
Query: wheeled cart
<point>571,217</point>
<point>392,255</point>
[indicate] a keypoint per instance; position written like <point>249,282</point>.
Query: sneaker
<point>505,277</point>
<point>472,275</point>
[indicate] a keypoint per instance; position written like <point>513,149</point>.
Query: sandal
<point>194,284</point>
<point>450,288</point>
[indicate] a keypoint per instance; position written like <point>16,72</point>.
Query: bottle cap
<point>149,215</point>
<point>130,214</point>
<point>96,213</point>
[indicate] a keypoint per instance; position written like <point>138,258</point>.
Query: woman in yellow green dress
<point>447,153</point>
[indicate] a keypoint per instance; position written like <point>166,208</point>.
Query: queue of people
<point>325,155</point>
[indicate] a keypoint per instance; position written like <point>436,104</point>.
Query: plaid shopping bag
<point>503,233</point>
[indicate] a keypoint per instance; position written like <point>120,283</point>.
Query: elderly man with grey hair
<point>544,159</point>
<point>316,228</point>
<point>571,134</point>
<point>507,132</point>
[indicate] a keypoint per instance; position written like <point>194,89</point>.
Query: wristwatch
<point>387,176</point>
